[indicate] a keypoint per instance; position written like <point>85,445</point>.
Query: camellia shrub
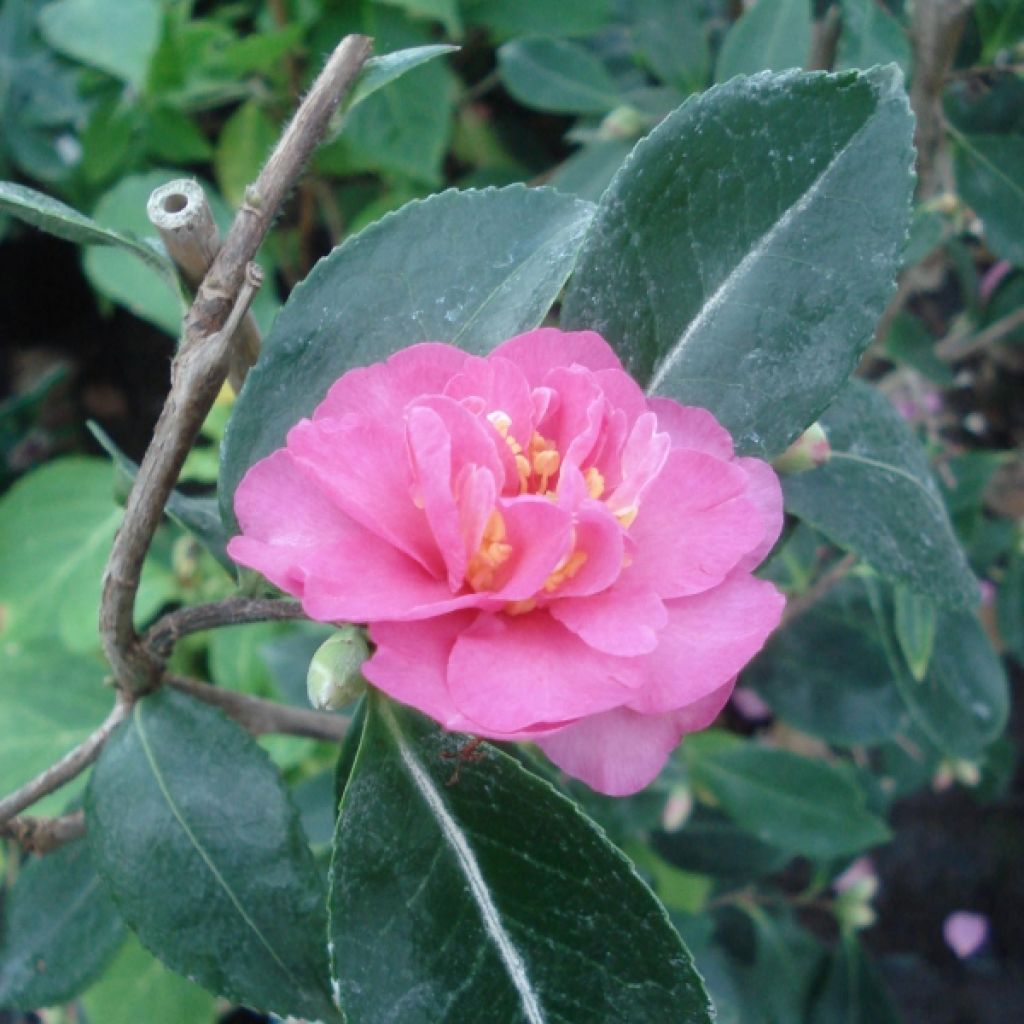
<point>514,489</point>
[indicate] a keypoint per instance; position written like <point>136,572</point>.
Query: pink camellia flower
<point>541,552</point>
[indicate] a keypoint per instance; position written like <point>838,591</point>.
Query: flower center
<point>492,553</point>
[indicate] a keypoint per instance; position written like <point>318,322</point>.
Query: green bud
<point>810,450</point>
<point>623,122</point>
<point>335,678</point>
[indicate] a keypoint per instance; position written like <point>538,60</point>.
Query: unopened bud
<point>335,678</point>
<point>810,450</point>
<point>623,123</point>
<point>677,809</point>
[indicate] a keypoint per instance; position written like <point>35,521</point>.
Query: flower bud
<point>334,678</point>
<point>623,122</point>
<point>677,809</point>
<point>810,450</point>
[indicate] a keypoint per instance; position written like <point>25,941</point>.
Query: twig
<point>260,716</point>
<point>202,363</point>
<point>41,835</point>
<point>161,637</point>
<point>817,590</point>
<point>959,347</point>
<point>934,34</point>
<point>68,767</point>
<point>825,39</point>
<point>180,212</point>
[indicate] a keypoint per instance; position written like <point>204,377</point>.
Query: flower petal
<point>691,427</point>
<point>624,619</point>
<point>537,352</point>
<point>764,492</point>
<point>708,639</point>
<point>510,674</point>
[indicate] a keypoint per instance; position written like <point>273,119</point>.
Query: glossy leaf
<point>474,267</point>
<point>379,71</point>
<point>794,803</point>
<point>137,987</point>
<point>57,218</point>
<point>762,317</point>
<point>511,904</point>
<point>990,178</point>
<point>59,930</point>
<point>828,674</point>
<point>56,527</point>
<point>557,75</point>
<point>876,497</point>
<point>50,700</point>
<point>115,37</point>
<point>773,35</point>
<point>193,831</point>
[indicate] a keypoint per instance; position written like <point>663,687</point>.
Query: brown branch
<point>180,212</point>
<point>68,767</point>
<point>825,32</point>
<point>260,716</point>
<point>817,590</point>
<point>202,363</point>
<point>161,637</point>
<point>41,835</point>
<point>959,347</point>
<point>934,35</point>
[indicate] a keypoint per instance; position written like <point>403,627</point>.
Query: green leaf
<point>851,991</point>
<point>471,268</point>
<point>773,35</point>
<point>588,172</point>
<point>990,179</point>
<point>56,218</point>
<point>245,143</point>
<point>538,17</point>
<point>50,701</point>
<point>236,659</point>
<point>741,256</point>
<point>794,803</point>
<point>876,497</point>
<point>870,36</point>
<point>56,527</point>
<point>115,37</point>
<point>508,897</point>
<point>915,618</point>
<point>828,673</point>
<point>380,71</point>
<point>909,342</point>
<point>59,930</point>
<point>1010,606</point>
<point>137,987</point>
<point>444,11</point>
<point>671,40</point>
<point>557,75</point>
<point>192,829</point>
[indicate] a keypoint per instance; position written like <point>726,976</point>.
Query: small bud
<point>623,123</point>
<point>810,450</point>
<point>335,678</point>
<point>677,809</point>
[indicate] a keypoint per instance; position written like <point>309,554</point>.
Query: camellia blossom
<point>541,552</point>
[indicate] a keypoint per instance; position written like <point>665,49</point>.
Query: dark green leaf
<point>245,143</point>
<point>773,35</point>
<point>56,218</point>
<point>557,75</point>
<point>472,268</point>
<point>379,71</point>
<point>805,180</point>
<point>794,803</point>
<point>137,987</point>
<point>870,36</point>
<point>990,178</point>
<point>538,17</point>
<point>672,41</point>
<point>589,171</point>
<point>192,829</point>
<point>915,620</point>
<point>909,342</point>
<point>512,905</point>
<point>59,930</point>
<point>828,673</point>
<point>851,992</point>
<point>876,497</point>
<point>1010,606</point>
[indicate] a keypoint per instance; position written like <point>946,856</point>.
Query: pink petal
<point>502,387</point>
<point>764,492</point>
<point>363,465</point>
<point>514,673</point>
<point>539,533</point>
<point>692,427</point>
<point>381,392</point>
<point>694,524</point>
<point>599,536</point>
<point>708,639</point>
<point>537,352</point>
<point>622,393</point>
<point>643,458</point>
<point>411,666</point>
<point>624,619</point>
<point>574,422</point>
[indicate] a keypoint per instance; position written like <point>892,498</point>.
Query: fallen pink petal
<point>965,932</point>
<point>540,551</point>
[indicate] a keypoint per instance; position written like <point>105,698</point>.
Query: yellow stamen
<point>627,515</point>
<point>545,465</point>
<point>521,607</point>
<point>565,571</point>
<point>594,481</point>
<point>523,469</point>
<point>492,553</point>
<point>501,421</point>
